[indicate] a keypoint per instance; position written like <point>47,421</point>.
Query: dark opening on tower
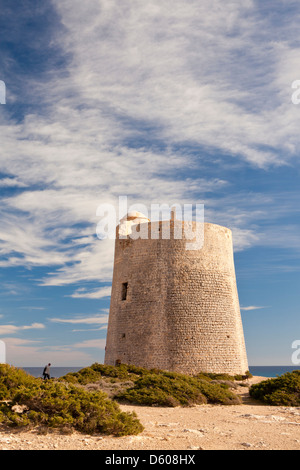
<point>124,290</point>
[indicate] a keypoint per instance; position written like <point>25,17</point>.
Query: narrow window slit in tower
<point>124,290</point>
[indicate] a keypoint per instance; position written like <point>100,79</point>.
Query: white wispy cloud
<point>96,294</point>
<point>11,182</point>
<point>252,307</point>
<point>33,308</point>
<point>142,80</point>
<point>12,329</point>
<point>195,71</point>
<point>88,330</point>
<point>91,343</point>
<point>93,320</point>
<point>26,352</point>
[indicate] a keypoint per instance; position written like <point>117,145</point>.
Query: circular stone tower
<point>172,308</point>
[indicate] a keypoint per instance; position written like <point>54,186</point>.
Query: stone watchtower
<point>172,308</point>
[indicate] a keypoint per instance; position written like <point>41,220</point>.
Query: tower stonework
<point>172,308</point>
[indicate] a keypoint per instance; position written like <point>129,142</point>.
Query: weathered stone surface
<point>173,308</point>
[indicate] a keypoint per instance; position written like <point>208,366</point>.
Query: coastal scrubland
<point>90,401</point>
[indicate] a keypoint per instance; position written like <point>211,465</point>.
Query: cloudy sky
<point>163,102</point>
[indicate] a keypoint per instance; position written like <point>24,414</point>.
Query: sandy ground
<point>250,426</point>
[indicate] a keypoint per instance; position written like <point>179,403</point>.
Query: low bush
<point>96,372</point>
<point>170,389</point>
<point>11,378</point>
<point>157,387</point>
<point>280,391</point>
<point>30,402</point>
<point>163,391</point>
<point>226,377</point>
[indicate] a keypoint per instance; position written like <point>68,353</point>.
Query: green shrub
<point>163,391</point>
<point>227,377</point>
<point>157,387</point>
<point>96,371</point>
<point>280,391</point>
<point>56,405</point>
<point>11,378</point>
<point>210,376</point>
<point>83,377</point>
<point>218,393</point>
<point>170,389</point>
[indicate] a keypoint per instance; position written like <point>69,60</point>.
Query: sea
<point>262,371</point>
<point>271,371</point>
<point>55,372</point>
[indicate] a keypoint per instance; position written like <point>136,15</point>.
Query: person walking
<point>46,372</point>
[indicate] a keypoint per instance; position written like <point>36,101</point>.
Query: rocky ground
<point>250,426</point>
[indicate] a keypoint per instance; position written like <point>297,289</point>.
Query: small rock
<point>262,444</point>
<point>277,418</point>
<point>19,408</point>
<point>246,444</point>
<point>194,431</point>
<point>6,440</point>
<point>252,416</point>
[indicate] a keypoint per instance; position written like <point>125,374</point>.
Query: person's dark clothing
<point>46,372</point>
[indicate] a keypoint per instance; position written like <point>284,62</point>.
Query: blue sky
<point>163,102</point>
